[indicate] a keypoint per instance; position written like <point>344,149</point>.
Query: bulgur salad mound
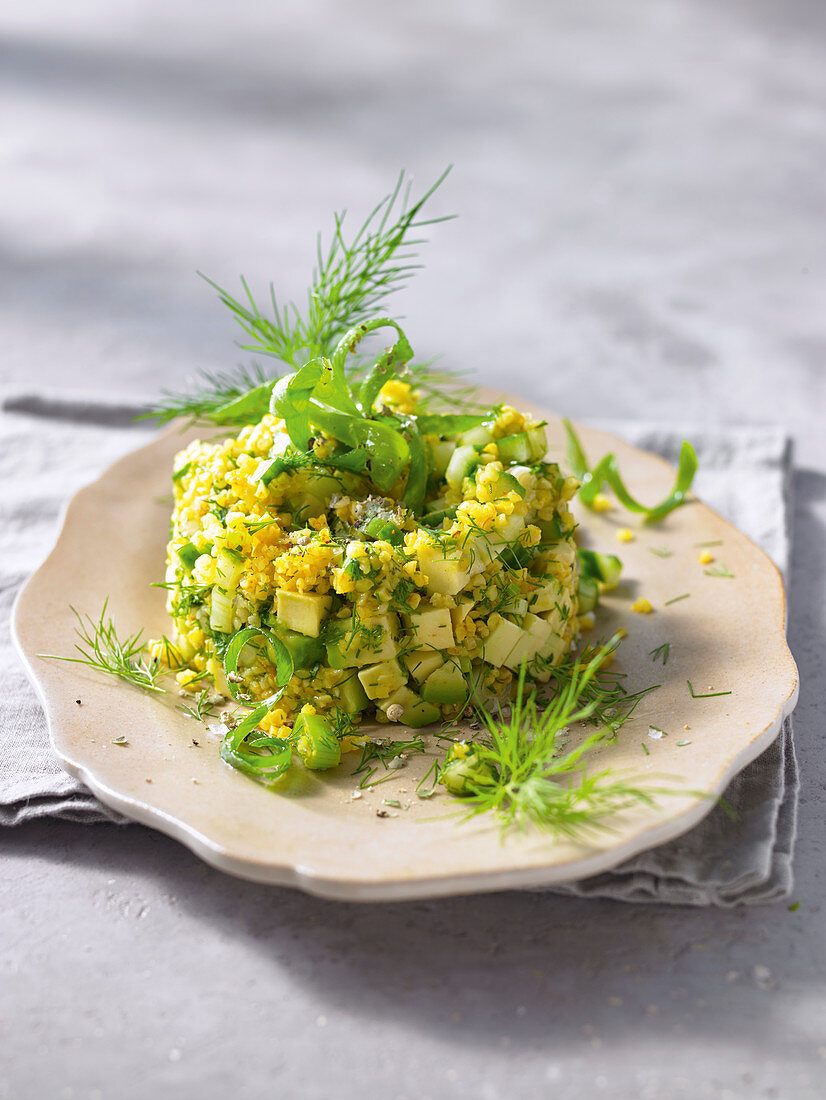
<point>323,572</point>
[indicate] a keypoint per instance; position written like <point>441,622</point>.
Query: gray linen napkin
<point>50,446</point>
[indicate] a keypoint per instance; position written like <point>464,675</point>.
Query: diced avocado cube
<point>415,712</point>
<point>370,642</point>
<point>447,571</point>
<point>402,697</point>
<point>352,694</point>
<point>382,679</point>
<point>305,651</point>
<point>536,634</point>
<point>336,657</point>
<point>484,548</point>
<point>499,643</point>
<point>517,607</point>
<point>300,612</point>
<point>554,649</point>
<point>546,596</point>
<point>445,685</point>
<point>421,662</point>
<point>432,626</point>
<point>560,613</point>
<point>459,613</point>
<point>551,530</point>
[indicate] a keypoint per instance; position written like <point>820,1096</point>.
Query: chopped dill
<point>660,551</point>
<point>102,649</point>
<point>718,571</point>
<point>661,653</point>
<point>381,753</point>
<point>204,706</point>
<point>676,599</point>
<point>707,695</point>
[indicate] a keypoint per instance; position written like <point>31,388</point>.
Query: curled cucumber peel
<point>247,748</point>
<point>607,470</point>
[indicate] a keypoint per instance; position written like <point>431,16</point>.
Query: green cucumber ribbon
<point>607,470</point>
<point>247,748</point>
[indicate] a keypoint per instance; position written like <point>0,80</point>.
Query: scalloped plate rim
<point>348,888</point>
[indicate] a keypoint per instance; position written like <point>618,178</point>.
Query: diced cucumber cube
<point>463,462</point>
<point>605,568</point>
<point>229,565</point>
<point>587,595</point>
<point>222,612</point>
<point>479,436</point>
<point>441,452</point>
<point>537,442</point>
<point>514,448</point>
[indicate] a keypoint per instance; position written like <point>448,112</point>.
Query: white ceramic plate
<point>729,635</point>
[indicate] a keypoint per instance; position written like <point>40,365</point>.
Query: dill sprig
<point>383,752</point>
<point>212,391</point>
<point>516,767</point>
<point>102,649</point>
<point>204,706</point>
<point>352,280</point>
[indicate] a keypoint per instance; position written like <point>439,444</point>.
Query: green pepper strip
<point>417,474</point>
<point>607,469</point>
<point>291,400</point>
<point>317,745</point>
<point>387,451</point>
<point>451,423</point>
<point>385,366</point>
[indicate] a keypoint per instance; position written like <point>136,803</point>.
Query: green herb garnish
<point>676,599</point>
<point>100,648</point>
<point>708,695</point>
<point>718,571</point>
<point>661,653</point>
<point>607,470</point>
<point>353,280</point>
<point>516,768</point>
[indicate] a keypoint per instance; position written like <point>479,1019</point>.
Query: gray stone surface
<point>642,232</point>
